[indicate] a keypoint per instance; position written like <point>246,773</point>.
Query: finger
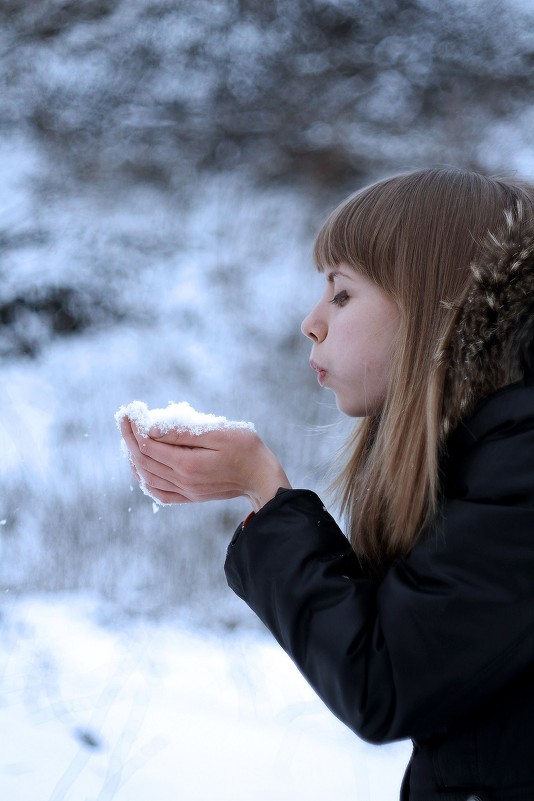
<point>174,497</point>
<point>142,467</point>
<point>184,438</point>
<point>128,435</point>
<point>169,497</point>
<point>166,496</point>
<point>212,495</point>
<point>171,456</point>
<point>151,469</point>
<point>138,442</point>
<point>140,438</point>
<point>141,456</point>
<point>154,482</point>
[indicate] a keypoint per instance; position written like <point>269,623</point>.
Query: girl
<point>422,626</point>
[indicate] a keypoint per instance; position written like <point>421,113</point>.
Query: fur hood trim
<point>492,344</point>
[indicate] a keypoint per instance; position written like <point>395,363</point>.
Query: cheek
<point>384,329</point>
<point>361,345</point>
<point>367,357</point>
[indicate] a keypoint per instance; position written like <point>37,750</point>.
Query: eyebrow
<point>334,274</point>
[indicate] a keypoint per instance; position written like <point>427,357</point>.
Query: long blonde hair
<point>415,236</point>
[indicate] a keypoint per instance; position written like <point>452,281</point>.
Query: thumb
<point>183,437</point>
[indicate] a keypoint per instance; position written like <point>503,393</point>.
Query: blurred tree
<point>321,90</point>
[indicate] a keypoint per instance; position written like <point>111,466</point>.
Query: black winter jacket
<point>441,650</point>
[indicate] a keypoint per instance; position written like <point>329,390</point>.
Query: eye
<point>340,299</point>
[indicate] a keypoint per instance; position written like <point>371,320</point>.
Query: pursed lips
<point>321,372</point>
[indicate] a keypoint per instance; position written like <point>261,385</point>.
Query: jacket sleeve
<point>447,629</point>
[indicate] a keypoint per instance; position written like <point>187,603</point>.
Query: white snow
<point>102,708</point>
<point>179,416</point>
<point>26,417</point>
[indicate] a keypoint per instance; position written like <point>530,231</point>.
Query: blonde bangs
<point>356,234</point>
<point>415,236</point>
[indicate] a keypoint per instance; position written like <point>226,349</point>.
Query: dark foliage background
<point>325,92</point>
<point>164,166</point>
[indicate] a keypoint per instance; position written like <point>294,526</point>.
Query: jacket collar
<point>503,410</point>
<point>493,341</point>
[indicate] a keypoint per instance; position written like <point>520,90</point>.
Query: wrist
<point>269,479</point>
<point>259,500</point>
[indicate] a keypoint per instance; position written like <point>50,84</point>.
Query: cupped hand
<point>180,467</point>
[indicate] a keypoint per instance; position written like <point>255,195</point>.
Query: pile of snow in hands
<point>179,417</point>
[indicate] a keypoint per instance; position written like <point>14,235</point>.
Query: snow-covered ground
<point>95,707</point>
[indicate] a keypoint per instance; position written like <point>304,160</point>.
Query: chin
<point>351,409</point>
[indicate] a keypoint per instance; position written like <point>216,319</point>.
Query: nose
<point>314,327</point>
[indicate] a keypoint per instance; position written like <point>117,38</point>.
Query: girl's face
<point>353,328</point>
